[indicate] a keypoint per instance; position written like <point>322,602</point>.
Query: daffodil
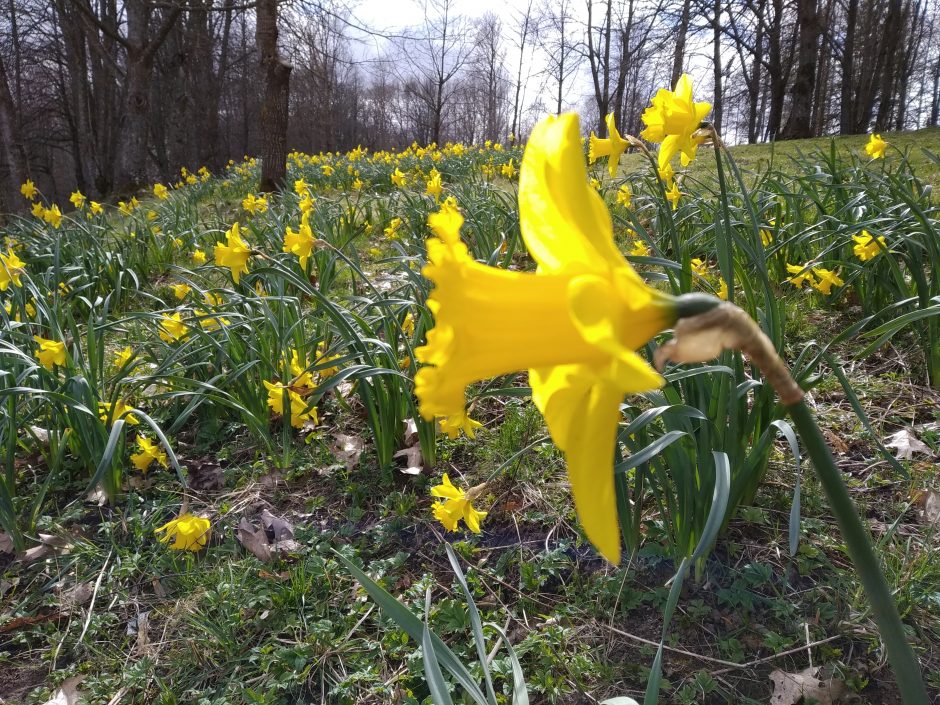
<point>391,231</point>
<point>575,323</point>
<point>298,368</point>
<point>299,414</point>
<point>77,199</point>
<point>327,170</point>
<point>199,257</point>
<point>172,329</point>
<point>51,352</point>
<point>453,425</point>
<point>766,234</point>
<point>672,119</point>
<point>866,247</point>
<point>11,269</point>
<point>639,249</point>
<point>255,204</point>
<point>301,188</point>
<point>109,412</point>
<point>95,208</point>
<point>827,278</point>
<point>181,291</point>
<point>38,210</point>
<point>122,357</point>
<point>188,532</point>
<point>611,147</point>
<point>876,147</point>
<point>300,242</point>
<point>234,254</point>
<point>398,178</point>
<point>434,186</point>
<point>52,215</point>
<point>624,196</point>
<point>408,325</point>
<point>722,289</point>
<point>161,191</point>
<point>801,275</point>
<point>324,359</point>
<point>508,170</point>
<point>29,190</point>
<point>699,266</point>
<point>456,506</point>
<point>673,195</point>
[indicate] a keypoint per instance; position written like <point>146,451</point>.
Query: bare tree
<point>276,102</point>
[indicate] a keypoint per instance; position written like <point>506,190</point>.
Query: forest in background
<point>105,96</point>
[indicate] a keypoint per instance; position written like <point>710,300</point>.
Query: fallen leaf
<point>158,588</point>
<point>28,621</point>
<point>838,445</point>
<point>906,444</point>
<point>48,545</point>
<point>41,434</point>
<point>77,595</point>
<point>930,508</point>
<point>277,529</point>
<point>205,474</point>
<point>68,693</point>
<point>411,432</point>
<point>6,543</point>
<point>97,496</point>
<point>794,688</point>
<point>413,460</point>
<point>143,633</point>
<point>255,540</point>
<point>347,449</point>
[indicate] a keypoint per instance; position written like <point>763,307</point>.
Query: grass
<point>146,624</point>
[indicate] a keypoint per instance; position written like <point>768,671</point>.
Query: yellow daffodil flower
<point>188,532</point>
<point>508,170</point>
<point>51,352</point>
<point>110,412</point>
<point>324,359</point>
<point>29,190</point>
<point>161,191</point>
<point>722,289</point>
<point>38,210</point>
<point>122,357</point>
<point>434,186</point>
<point>611,147</point>
<point>172,329</point>
<point>456,506</point>
<point>300,242</point>
<point>77,199</point>
<point>391,232</point>
<point>398,178</point>
<point>866,247</point>
<point>255,204</point>
<point>327,170</point>
<point>199,257</point>
<point>827,279</point>
<point>801,275</point>
<point>639,249</point>
<point>574,324</point>
<point>699,266</point>
<point>299,414</point>
<point>766,234</point>
<point>876,147</point>
<point>671,119</point>
<point>453,425</point>
<point>181,291</point>
<point>624,196</point>
<point>673,195</point>
<point>234,254</point>
<point>95,208</point>
<point>11,269</point>
<point>301,188</point>
<point>298,368</point>
<point>52,215</point>
<point>408,325</point>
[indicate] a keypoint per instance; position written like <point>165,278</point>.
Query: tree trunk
<point>754,81</point>
<point>847,106</point>
<point>718,110</point>
<point>9,146</point>
<point>799,124</point>
<point>276,99</point>
<point>778,81</point>
<point>679,55</point>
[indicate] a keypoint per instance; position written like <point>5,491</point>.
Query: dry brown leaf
<point>930,507</point>
<point>97,496</point>
<point>48,546</point>
<point>6,543</point>
<point>142,646</point>
<point>68,693</point>
<point>255,540</point>
<point>838,445</point>
<point>277,529</point>
<point>77,595</point>
<point>347,449</point>
<point>793,688</point>
<point>205,474</point>
<point>413,460</point>
<point>411,432</point>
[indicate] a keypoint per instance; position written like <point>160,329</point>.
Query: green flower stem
<point>900,655</point>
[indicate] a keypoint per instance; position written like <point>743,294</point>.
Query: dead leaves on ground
<point>275,537</point>
<point>805,686</point>
<point>906,444</point>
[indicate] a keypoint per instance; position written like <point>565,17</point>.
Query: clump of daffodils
<point>457,505</point>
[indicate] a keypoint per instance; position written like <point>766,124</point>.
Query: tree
<point>276,101</point>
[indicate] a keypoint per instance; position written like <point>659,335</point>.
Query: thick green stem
<point>900,655</point>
